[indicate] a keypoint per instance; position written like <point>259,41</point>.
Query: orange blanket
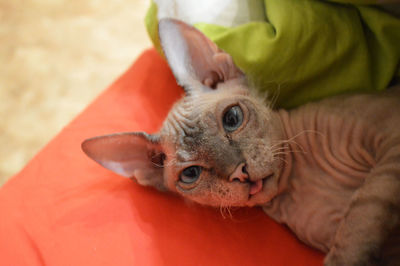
<point>64,209</point>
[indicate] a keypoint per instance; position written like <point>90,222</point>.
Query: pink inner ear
<point>223,69</point>
<point>125,153</point>
<point>210,64</point>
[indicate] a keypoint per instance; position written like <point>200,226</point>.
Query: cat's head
<point>217,145</point>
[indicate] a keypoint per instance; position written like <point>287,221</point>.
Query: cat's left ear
<point>194,59</point>
<point>135,155</point>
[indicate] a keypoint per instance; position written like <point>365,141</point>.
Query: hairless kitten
<point>329,170</point>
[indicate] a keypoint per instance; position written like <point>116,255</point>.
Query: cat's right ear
<point>195,60</point>
<point>134,155</point>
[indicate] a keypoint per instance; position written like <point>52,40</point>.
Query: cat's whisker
<point>171,163</point>
<point>275,97</point>
<point>307,131</point>
<point>228,208</point>
<point>225,210</point>
<point>288,151</point>
<point>280,152</point>
<point>221,211</point>
<point>288,148</point>
<point>281,142</point>
<point>279,149</point>
<point>280,158</point>
<point>292,139</point>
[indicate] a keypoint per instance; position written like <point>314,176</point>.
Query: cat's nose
<point>240,173</point>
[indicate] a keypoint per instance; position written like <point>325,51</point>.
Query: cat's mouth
<point>257,186</point>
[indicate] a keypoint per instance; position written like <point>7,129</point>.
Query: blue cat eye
<point>190,175</point>
<point>233,118</point>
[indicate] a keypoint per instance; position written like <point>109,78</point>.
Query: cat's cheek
<point>239,195</point>
<point>222,194</point>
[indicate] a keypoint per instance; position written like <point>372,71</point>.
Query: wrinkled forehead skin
<point>193,129</point>
<point>189,118</point>
<point>189,126</point>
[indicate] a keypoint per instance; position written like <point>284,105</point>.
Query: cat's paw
<point>337,258</point>
<point>333,258</point>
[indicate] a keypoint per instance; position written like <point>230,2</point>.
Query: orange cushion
<point>64,209</point>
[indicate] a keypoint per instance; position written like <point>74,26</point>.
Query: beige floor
<point>55,57</point>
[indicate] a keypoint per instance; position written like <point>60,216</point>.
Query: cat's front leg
<point>371,217</point>
<point>337,257</point>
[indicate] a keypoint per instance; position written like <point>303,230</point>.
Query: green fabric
<point>308,50</point>
<point>151,22</point>
<point>360,2</point>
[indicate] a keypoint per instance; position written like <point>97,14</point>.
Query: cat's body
<point>329,170</point>
<point>336,144</point>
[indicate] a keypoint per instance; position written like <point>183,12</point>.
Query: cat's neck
<point>287,157</point>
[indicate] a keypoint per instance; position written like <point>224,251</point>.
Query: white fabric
<point>228,13</point>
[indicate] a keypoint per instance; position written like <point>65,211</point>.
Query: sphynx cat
<point>329,170</point>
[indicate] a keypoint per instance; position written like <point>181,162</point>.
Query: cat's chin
<point>264,194</point>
